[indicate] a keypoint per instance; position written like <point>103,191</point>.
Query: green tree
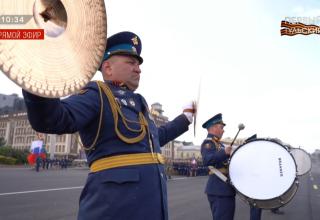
<point>19,155</point>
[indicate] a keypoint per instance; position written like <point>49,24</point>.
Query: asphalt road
<point>53,194</point>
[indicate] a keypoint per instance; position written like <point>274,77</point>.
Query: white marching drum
<point>264,173</point>
<point>302,159</point>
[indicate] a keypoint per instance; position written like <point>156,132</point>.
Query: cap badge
<point>135,40</point>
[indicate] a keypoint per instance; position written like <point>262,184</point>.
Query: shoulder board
<point>207,144</point>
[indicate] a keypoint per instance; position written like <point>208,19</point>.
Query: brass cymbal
<point>75,35</point>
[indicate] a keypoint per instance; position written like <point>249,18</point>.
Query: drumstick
<point>240,127</point>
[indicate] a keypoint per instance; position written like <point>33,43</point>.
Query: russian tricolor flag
<point>37,150</point>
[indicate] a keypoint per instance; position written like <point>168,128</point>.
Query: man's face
<point>125,69</point>
<point>217,130</point>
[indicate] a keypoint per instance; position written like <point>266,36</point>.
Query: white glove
<point>189,110</point>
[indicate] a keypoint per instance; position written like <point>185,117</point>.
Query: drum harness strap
<point>219,172</point>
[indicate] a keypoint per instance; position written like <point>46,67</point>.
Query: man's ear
<point>106,68</point>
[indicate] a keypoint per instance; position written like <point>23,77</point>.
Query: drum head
<point>302,159</point>
<point>262,169</point>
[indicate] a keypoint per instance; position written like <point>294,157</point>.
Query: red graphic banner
<point>21,34</point>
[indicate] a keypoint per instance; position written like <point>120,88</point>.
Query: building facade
<point>187,151</point>
<point>159,119</point>
<point>18,133</point>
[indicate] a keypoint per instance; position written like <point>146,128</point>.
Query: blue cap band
<point>121,48</point>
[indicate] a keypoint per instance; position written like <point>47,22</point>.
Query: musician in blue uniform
<point>127,178</point>
<point>221,195</point>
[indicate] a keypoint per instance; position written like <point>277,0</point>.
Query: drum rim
<point>258,139</point>
<point>250,201</point>
<point>298,148</point>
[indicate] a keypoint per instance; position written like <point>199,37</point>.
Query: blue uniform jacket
<point>214,155</point>
<point>130,192</point>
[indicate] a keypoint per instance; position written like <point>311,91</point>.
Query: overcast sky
<point>248,71</point>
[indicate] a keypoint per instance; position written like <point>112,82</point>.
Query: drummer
<point>221,195</point>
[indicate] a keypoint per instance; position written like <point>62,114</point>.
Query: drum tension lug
<point>281,201</point>
<point>252,202</point>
